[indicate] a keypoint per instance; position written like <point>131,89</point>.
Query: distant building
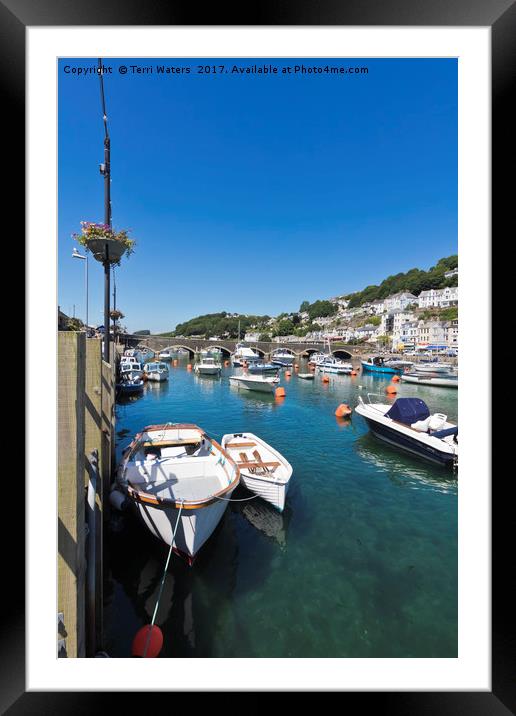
<point>399,301</point>
<point>439,297</point>
<point>453,272</point>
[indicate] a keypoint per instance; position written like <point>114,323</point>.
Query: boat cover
<point>447,431</point>
<point>408,410</point>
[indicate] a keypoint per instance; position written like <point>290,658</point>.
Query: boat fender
<point>343,410</point>
<point>118,500</point>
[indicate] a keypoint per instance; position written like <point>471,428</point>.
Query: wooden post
<point>71,493</point>
<point>93,441</point>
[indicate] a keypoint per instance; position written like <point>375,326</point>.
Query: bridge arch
<point>191,352</point>
<point>225,351</point>
<point>341,353</point>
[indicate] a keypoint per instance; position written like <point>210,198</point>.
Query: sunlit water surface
<point>362,563</point>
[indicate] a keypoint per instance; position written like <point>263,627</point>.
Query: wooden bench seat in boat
<point>240,445</point>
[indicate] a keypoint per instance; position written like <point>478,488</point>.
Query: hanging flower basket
<point>104,243</point>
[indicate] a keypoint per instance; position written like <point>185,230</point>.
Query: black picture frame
<point>500,16</point>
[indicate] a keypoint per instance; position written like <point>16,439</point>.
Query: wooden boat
<point>305,376</point>
<point>173,466</point>
<point>156,371</point>
<point>255,382</point>
<point>442,381</point>
<point>407,424</point>
<point>208,366</point>
<point>262,469</point>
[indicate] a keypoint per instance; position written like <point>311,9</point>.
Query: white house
<point>431,333</point>
<point>399,301</point>
<point>439,297</point>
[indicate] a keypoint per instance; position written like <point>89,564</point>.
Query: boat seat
<point>240,445</point>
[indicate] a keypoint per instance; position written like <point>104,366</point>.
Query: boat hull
<point>273,492</point>
<point>254,385</point>
<point>431,380</point>
<point>405,442</point>
<point>195,525</point>
<point>208,371</point>
<point>370,368</point>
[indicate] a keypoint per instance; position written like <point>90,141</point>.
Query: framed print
<point>242,437</point>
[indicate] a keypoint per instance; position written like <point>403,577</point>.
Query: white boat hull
<point>207,370</point>
<point>195,525</point>
<point>440,381</point>
<point>157,377</point>
<point>259,386</point>
<point>274,493</point>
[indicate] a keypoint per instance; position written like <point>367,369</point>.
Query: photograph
<point>258,339</point>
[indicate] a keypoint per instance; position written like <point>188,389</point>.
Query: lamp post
<point>105,170</point>
<point>77,255</point>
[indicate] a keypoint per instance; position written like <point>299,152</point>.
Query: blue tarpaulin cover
<point>408,410</point>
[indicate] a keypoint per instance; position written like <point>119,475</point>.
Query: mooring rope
<point>162,581</point>
<point>228,499</point>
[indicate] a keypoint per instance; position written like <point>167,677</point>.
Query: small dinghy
<point>305,376</point>
<point>173,467</point>
<point>407,424</point>
<point>262,469</point>
<point>442,381</point>
<point>255,382</point>
<point>433,368</point>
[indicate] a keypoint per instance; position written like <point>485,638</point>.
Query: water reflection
<point>265,518</point>
<point>405,470</point>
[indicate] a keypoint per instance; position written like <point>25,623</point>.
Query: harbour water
<point>362,563</point>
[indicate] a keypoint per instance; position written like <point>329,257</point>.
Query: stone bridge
<point>195,345</point>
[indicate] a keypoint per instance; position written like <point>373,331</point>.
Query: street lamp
<point>77,255</point>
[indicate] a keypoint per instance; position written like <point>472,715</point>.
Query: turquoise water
<point>362,563</point>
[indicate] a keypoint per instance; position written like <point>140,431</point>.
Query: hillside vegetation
<point>413,281</point>
<point>218,324</point>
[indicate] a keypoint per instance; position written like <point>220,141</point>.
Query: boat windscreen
<point>408,410</point>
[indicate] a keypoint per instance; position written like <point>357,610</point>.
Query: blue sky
<point>252,193</point>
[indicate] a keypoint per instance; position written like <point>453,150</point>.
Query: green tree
<point>304,307</point>
<point>265,337</point>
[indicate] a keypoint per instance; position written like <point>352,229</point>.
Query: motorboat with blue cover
<point>408,424</point>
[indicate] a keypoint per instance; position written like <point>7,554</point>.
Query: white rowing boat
<point>262,469</point>
<point>168,468</point>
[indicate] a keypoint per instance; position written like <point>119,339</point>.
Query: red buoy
<point>155,641</point>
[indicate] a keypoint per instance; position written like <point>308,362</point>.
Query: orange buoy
<point>395,379</point>
<point>325,379</point>
<point>287,374</point>
<point>354,372</point>
<point>189,366</point>
<point>391,390</point>
<point>155,641</point>
<point>342,410</point>
<point>226,363</point>
<point>280,392</point>
<point>296,367</point>
<point>175,362</point>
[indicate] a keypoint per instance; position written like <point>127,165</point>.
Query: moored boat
<point>263,470</point>
<point>407,424</point>
<point>334,365</point>
<point>259,383</point>
<point>130,371</point>
<point>442,381</point>
<point>376,364</point>
<point>282,357</point>
<point>177,467</point>
<point>243,354</point>
<point>259,366</point>
<point>432,367</point>
<point>306,376</point>
<point>129,386</point>
<point>156,371</point>
<point>208,366</point>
